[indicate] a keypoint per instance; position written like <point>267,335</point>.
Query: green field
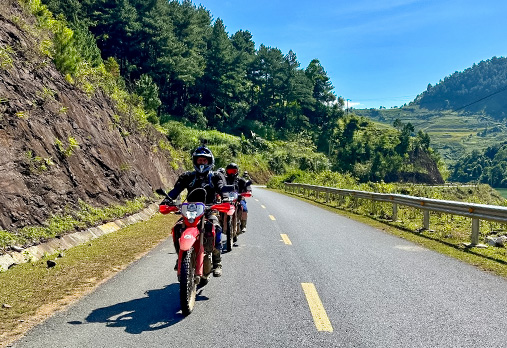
<point>502,191</point>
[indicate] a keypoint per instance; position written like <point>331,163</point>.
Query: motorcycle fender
<point>188,238</point>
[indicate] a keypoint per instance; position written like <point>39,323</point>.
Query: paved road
<point>370,290</point>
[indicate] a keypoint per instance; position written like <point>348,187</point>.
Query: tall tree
<point>215,85</point>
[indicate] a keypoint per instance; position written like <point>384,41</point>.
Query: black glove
<point>167,201</point>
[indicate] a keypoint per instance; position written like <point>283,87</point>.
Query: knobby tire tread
<point>187,281</point>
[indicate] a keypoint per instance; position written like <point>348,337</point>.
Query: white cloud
<point>353,104</point>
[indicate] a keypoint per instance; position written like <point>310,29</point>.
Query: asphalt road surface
<point>300,277</point>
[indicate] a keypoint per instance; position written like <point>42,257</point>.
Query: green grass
<point>83,217</point>
<point>34,291</point>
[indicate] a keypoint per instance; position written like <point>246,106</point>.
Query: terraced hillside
<point>452,133</point>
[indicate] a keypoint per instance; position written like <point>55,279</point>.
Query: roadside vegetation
<point>84,217</point>
<point>449,230</point>
<point>30,292</point>
<point>491,259</point>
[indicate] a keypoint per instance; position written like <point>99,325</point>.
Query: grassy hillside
<point>452,133</point>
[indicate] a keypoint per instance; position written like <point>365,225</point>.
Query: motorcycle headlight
<point>191,213</point>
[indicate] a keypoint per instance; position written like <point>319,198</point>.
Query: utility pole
<point>347,110</point>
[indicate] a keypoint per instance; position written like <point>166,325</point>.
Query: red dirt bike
<point>231,222</point>
<point>227,219</point>
<point>194,259</point>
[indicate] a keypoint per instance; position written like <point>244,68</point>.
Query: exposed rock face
<point>427,173</point>
<point>41,115</point>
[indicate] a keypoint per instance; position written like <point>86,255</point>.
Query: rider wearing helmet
<point>221,171</point>
<point>202,177</point>
<point>242,185</point>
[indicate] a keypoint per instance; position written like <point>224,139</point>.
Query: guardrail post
<point>426,219</point>
<point>475,231</point>
<point>395,212</point>
<point>327,196</point>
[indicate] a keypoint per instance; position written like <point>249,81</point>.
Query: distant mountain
<point>481,88</point>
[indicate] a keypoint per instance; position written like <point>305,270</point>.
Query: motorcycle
<point>194,257</point>
<point>232,222</point>
<point>227,219</point>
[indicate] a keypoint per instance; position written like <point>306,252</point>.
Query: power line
<point>475,102</point>
<point>403,97</point>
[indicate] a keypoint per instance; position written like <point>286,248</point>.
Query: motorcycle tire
<point>237,224</point>
<point>230,234</point>
<point>188,287</point>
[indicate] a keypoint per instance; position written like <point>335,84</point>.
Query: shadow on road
<point>160,309</point>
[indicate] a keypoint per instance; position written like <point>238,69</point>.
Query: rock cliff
<point>57,144</point>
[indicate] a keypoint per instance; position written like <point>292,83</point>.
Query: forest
<point>488,167</point>
<point>182,65</point>
<point>480,88</point>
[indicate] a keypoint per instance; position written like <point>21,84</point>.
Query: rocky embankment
<point>58,145</point>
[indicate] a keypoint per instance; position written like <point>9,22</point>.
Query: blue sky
<point>377,53</point>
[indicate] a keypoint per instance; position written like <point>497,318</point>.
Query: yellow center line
<point>318,312</point>
<point>256,199</point>
<point>263,207</point>
<point>286,239</point>
<point>272,217</point>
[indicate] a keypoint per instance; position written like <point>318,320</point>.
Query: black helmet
<point>232,169</point>
<point>203,151</point>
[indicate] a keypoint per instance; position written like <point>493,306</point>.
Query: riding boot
<point>217,263</point>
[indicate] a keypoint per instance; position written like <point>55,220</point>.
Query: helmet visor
<point>232,171</point>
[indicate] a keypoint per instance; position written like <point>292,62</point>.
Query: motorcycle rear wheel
<point>237,222</point>
<point>188,287</point>
<point>230,233</point>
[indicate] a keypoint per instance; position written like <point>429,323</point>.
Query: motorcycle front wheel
<point>188,287</point>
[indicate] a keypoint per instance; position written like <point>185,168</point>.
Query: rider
<point>202,177</point>
<point>242,185</point>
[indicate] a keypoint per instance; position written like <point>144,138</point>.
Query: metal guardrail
<point>474,211</point>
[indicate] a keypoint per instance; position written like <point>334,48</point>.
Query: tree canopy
<point>184,66</point>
